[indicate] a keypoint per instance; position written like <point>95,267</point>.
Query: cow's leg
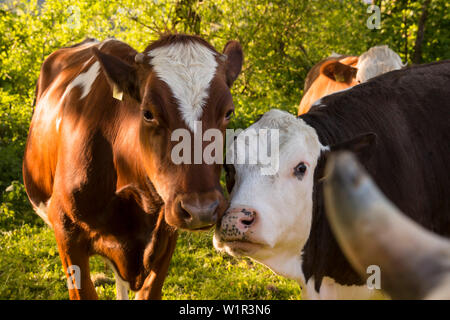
<point>122,287</point>
<point>74,249</point>
<point>151,290</point>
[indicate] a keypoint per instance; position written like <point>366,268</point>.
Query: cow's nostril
<point>184,213</point>
<point>198,215</point>
<point>247,221</point>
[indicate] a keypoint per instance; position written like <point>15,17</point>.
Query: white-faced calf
<point>398,126</point>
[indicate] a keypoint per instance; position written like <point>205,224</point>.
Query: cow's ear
<point>122,76</point>
<point>339,72</point>
<point>361,144</point>
<point>234,60</point>
<point>230,176</point>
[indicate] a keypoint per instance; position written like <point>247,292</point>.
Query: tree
<point>417,58</point>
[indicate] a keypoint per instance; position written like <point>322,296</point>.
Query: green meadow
<point>30,269</point>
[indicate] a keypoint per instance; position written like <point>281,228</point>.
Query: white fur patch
<point>58,123</point>
<point>335,55</point>
<point>84,80</point>
<point>317,103</point>
<point>42,211</point>
<point>376,61</point>
<point>331,290</point>
<point>188,69</point>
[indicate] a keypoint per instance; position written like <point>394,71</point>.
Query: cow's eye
<point>148,115</point>
<point>300,170</point>
<point>229,114</point>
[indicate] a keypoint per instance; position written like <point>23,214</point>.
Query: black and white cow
<point>399,126</point>
<point>413,262</point>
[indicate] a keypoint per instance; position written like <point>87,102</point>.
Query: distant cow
<point>339,72</point>
<point>397,123</point>
<point>414,263</point>
<point>98,167</point>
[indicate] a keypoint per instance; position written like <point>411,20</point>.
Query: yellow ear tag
<point>339,78</point>
<point>117,94</point>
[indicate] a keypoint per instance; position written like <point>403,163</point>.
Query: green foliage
<point>282,40</point>
<point>15,210</point>
<point>399,25</point>
<point>15,115</point>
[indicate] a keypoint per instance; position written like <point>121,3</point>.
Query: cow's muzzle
<point>200,210</point>
<point>237,223</point>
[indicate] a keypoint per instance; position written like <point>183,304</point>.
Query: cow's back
<point>65,90</point>
<point>409,110</point>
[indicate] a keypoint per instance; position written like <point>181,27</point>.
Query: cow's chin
<point>238,248</point>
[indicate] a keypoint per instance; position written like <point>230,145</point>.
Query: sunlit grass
<point>30,269</point>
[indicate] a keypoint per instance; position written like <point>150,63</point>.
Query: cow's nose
<point>245,221</point>
<point>236,222</point>
<point>199,214</point>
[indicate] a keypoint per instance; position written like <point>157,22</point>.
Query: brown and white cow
<point>413,262</point>
<point>339,72</point>
<point>398,123</point>
<point>98,167</point>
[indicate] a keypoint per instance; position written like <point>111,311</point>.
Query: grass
<point>30,269</point>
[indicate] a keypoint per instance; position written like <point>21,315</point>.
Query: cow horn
<point>372,231</point>
<point>139,58</point>
<point>223,57</point>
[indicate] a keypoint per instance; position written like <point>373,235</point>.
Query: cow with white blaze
<point>397,124</point>
<point>98,167</point>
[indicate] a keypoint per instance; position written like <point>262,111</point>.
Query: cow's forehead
<point>188,69</point>
<point>296,140</point>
